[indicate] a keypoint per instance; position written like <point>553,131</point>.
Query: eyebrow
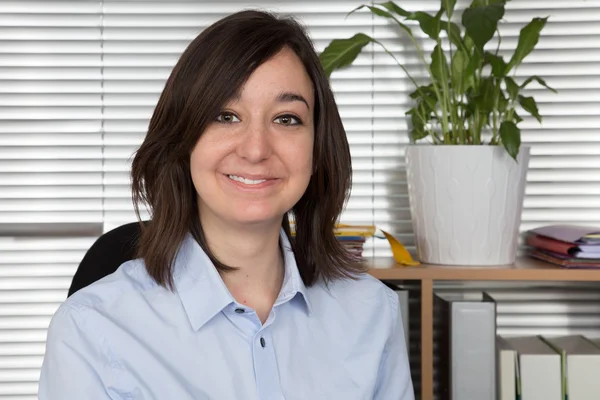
<point>285,97</point>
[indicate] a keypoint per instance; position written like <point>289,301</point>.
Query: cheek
<point>302,160</point>
<point>197,161</point>
<point>207,153</point>
<point>202,162</point>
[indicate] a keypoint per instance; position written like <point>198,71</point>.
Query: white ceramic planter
<point>466,203</point>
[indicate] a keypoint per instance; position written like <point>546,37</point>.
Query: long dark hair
<point>209,72</point>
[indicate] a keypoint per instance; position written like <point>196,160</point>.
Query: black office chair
<point>105,256</point>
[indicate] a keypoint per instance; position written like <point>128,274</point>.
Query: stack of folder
<point>569,246</point>
<point>353,237</point>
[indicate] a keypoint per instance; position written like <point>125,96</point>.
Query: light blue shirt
<point>125,337</point>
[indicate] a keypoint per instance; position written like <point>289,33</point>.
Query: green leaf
<point>460,63</point>
<point>448,7</point>
<point>425,94</point>
<point>473,65</point>
<point>538,80</point>
<point>529,105</point>
<point>418,133</point>
<point>391,6</point>
<point>430,25</point>
<point>383,13</point>
<point>486,104</point>
<point>481,23</point>
<point>469,44</point>
<point>429,103</point>
<point>475,60</point>
<point>528,39</point>
<point>516,117</point>
<point>511,87</point>
<point>439,65</point>
<point>374,10</point>
<point>497,63</point>
<point>502,103</point>
<point>342,52</point>
<point>426,100</point>
<point>417,93</point>
<point>418,127</point>
<point>453,34</point>
<point>510,135</point>
<point>471,105</point>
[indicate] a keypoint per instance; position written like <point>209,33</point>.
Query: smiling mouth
<point>246,181</point>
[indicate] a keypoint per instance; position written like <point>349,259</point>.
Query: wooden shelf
<point>524,269</point>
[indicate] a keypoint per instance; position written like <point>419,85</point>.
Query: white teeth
<point>246,181</point>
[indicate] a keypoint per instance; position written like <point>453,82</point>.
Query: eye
<point>288,120</point>
<point>227,118</point>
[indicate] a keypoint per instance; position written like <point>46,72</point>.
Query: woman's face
<point>254,162</point>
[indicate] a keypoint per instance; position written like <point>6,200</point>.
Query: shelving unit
<point>524,269</point>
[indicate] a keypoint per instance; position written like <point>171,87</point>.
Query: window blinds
<point>79,80</point>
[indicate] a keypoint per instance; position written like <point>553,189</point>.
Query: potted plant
<point>466,168</point>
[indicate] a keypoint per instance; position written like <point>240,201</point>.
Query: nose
<point>255,145</point>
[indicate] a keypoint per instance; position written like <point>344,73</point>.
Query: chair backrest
<point>105,256</point>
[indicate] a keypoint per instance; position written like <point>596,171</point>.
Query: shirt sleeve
<point>394,381</point>
<point>73,366</point>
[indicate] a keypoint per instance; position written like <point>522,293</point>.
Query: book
<point>578,234</point>
<point>506,370</point>
<point>569,249</point>
<point>539,373</point>
<point>563,261</point>
<point>580,359</point>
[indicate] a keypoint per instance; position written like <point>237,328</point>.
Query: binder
<point>467,346</point>
<point>539,375</point>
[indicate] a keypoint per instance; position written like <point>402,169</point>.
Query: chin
<point>257,219</point>
<point>256,215</point>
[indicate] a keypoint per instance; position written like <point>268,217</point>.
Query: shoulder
<point>361,288</point>
<point>363,297</point>
<point>85,317</point>
<point>128,281</point>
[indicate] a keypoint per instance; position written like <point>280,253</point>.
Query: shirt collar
<point>204,294</point>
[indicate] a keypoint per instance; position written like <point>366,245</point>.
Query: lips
<point>252,183</point>
<point>245,180</point>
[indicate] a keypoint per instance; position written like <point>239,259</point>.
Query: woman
<point>223,303</point>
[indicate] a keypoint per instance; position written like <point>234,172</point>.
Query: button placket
<point>265,366</point>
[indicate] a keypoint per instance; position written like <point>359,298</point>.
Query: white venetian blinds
<point>50,171</point>
<point>50,114</point>
<point>79,80</point>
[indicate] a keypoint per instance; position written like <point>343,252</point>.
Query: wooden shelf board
<point>524,269</point>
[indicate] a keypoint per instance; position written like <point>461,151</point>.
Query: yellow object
<point>401,255</point>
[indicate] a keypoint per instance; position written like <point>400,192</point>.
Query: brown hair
<point>209,72</point>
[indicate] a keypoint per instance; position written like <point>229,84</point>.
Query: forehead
<point>284,72</point>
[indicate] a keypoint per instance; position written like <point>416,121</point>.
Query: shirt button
<point>262,342</point>
<point>239,310</point>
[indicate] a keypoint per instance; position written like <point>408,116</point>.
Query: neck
<point>254,250</point>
